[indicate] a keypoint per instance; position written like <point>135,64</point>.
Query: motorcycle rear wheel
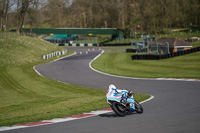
<point>138,108</point>
<point>118,109</point>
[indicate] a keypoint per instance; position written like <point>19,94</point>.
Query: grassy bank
<point>27,97</point>
<point>117,62</point>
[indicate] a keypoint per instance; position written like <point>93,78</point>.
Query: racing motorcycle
<point>122,102</point>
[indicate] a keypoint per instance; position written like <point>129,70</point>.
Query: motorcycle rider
<point>122,101</point>
<point>113,92</point>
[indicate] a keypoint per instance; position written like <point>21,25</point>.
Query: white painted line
<point>64,57</point>
<point>37,72</point>
<point>57,120</point>
<point>98,112</point>
<point>90,65</point>
<point>174,79</point>
<point>11,128</point>
<point>147,99</point>
<point>53,61</point>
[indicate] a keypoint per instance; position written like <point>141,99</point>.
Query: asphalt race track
<point>175,108</point>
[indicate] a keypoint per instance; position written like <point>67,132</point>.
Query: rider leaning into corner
<point>122,101</point>
<point>113,92</point>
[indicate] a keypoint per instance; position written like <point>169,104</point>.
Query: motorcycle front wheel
<point>118,109</point>
<point>138,108</point>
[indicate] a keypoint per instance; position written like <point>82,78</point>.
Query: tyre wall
<point>166,56</point>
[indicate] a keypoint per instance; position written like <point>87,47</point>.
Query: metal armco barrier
<point>166,56</point>
<point>58,53</point>
<point>83,44</point>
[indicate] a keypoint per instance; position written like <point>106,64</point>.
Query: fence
<point>59,41</point>
<point>137,47</point>
<point>78,31</point>
<point>58,53</point>
<point>83,44</point>
<point>165,56</point>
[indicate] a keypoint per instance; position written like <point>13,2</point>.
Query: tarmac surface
<point>174,109</point>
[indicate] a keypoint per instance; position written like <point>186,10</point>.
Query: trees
<point>22,8</point>
<point>33,13</point>
<point>152,15</point>
<point>4,8</point>
<point>55,12</point>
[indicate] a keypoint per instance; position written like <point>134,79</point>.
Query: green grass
<point>5,35</point>
<point>117,62</point>
<point>27,97</point>
<point>196,44</point>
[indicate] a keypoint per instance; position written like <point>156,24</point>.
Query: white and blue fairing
<point>114,94</point>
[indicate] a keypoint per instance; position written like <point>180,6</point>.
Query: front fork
<point>131,104</point>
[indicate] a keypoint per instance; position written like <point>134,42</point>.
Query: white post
<point>157,47</point>
<point>168,47</point>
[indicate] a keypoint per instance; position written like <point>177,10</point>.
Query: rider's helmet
<point>112,86</point>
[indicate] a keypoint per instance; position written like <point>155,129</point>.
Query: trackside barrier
<point>117,44</point>
<point>131,50</point>
<point>166,56</point>
<point>134,50</point>
<point>83,44</point>
<point>57,53</point>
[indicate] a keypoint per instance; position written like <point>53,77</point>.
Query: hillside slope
<point>26,97</point>
<point>23,50</point>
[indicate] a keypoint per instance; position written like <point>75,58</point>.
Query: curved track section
<point>175,108</point>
